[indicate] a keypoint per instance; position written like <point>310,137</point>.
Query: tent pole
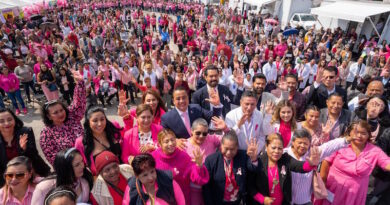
<point>373,25</point>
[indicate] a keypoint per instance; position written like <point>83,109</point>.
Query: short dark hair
<point>331,69</point>
<point>249,93</point>
<point>336,94</point>
<point>301,133</point>
<point>259,76</point>
<point>179,88</point>
<point>231,135</point>
<point>45,112</point>
<point>210,67</point>
<point>290,75</point>
<point>141,160</point>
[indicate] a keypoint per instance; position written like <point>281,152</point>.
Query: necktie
<point>187,122</point>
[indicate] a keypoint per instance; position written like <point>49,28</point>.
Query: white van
<point>302,19</point>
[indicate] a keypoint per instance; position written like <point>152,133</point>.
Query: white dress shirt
<point>257,127</point>
<point>353,72</point>
<point>270,72</point>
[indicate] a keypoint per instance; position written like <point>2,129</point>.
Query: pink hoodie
<point>9,82</point>
<point>131,144</point>
<point>183,169</point>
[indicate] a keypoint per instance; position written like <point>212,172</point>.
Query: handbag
<point>52,87</point>
<point>319,188</point>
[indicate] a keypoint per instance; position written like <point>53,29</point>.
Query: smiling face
<point>110,173</point>
<point>97,122</point>
<point>168,144</point>
<point>286,113</point>
<point>275,150</point>
<point>57,114</point>
<point>151,101</point>
<point>359,135</point>
<point>145,119</point>
<point>312,117</point>
<point>7,122</point>
<point>334,104</point>
<point>199,134</point>
<point>229,149</point>
<point>212,77</point>
<point>301,145</point>
<point>180,100</point>
<point>148,176</point>
<point>17,176</point>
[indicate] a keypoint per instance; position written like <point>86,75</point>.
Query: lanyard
<point>248,126</point>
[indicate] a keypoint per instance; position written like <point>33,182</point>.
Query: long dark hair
<point>64,169</point>
<point>111,131</point>
<point>18,122</point>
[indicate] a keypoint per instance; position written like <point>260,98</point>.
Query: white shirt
<point>152,77</point>
<point>353,72</point>
<point>303,72</point>
<point>302,182</point>
<point>270,72</point>
<point>258,127</point>
<point>313,72</point>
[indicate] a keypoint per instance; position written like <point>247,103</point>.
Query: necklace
<point>275,181</point>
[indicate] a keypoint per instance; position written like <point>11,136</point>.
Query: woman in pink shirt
<point>348,169</point>
<point>19,182</point>
<point>10,84</point>
<point>200,139</point>
<point>143,137</point>
<point>184,169</point>
<point>150,97</point>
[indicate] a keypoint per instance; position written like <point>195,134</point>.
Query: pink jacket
<point>183,169</point>
<point>80,146</point>
<point>176,189</point>
<point>9,82</point>
<point>131,144</point>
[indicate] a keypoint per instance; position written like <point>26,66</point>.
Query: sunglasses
<point>9,176</point>
<point>201,133</point>
<point>329,77</point>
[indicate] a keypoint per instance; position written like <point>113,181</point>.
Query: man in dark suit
<point>323,87</point>
<point>240,163</point>
<point>180,119</point>
<point>226,97</point>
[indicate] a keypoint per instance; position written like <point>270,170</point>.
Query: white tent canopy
<point>351,10</point>
<point>259,3</point>
<point>5,6</point>
<point>18,3</point>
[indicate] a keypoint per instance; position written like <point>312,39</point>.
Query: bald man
<point>375,87</point>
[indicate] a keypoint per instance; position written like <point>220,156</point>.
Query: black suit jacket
<point>318,96</point>
<point>213,191</point>
<point>160,85</point>
<point>173,121</point>
<point>260,179</point>
<point>39,165</point>
<point>226,97</point>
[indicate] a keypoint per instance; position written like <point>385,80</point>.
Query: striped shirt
<point>11,200</point>
<point>302,182</point>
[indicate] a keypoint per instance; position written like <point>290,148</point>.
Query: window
<point>296,18</point>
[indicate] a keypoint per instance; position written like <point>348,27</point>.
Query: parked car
<point>303,20</point>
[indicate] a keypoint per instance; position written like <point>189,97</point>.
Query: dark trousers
<point>353,84</point>
<point>27,86</point>
<point>66,95</point>
<point>130,90</point>
<point>102,95</point>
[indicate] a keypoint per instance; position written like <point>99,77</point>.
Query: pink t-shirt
<point>210,144</point>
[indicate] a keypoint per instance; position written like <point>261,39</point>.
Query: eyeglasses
<point>201,133</point>
<point>18,176</point>
<point>329,77</point>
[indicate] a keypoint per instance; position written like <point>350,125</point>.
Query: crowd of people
<point>218,107</point>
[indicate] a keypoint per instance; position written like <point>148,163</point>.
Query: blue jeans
<point>27,86</point>
<point>16,95</point>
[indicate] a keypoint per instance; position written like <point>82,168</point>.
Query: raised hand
<point>268,200</point>
<point>198,156</point>
<point>181,144</point>
<point>320,77</point>
<point>214,98</point>
<point>219,123</point>
<point>76,75</point>
<point>315,155</point>
<point>252,148</point>
<point>23,141</point>
<point>327,128</point>
<point>122,97</point>
<point>239,78</point>
<point>269,107</point>
<point>242,120</point>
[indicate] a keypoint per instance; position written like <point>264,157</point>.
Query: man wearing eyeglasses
<point>323,87</point>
